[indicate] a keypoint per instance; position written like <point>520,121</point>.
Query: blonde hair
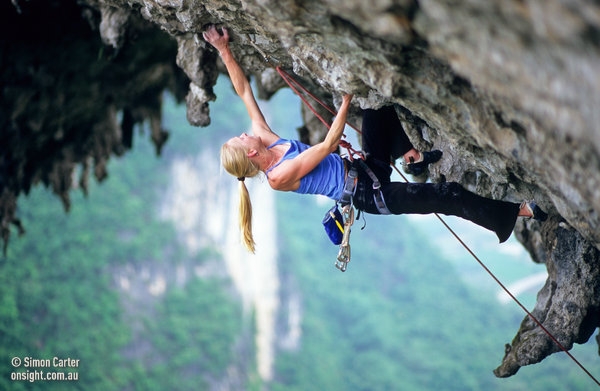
<point>236,162</point>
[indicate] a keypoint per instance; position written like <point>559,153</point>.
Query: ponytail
<point>236,162</point>
<point>245,217</point>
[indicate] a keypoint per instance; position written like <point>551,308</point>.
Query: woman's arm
<point>287,175</point>
<point>240,84</point>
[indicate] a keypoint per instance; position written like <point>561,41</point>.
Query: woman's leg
<point>383,136</point>
<point>384,139</point>
<point>450,198</point>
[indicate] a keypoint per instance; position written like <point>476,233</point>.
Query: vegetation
<point>59,293</point>
<point>400,318</point>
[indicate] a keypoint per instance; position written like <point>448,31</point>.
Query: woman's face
<point>246,141</point>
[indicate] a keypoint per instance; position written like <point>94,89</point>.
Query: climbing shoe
<point>536,212</point>
<point>419,168</point>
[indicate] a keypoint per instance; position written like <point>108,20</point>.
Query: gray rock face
<point>508,90</point>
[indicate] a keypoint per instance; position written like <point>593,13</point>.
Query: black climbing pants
<point>384,140</point>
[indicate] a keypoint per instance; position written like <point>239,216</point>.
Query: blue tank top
<point>327,178</point>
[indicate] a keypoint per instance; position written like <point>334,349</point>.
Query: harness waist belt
<point>350,187</point>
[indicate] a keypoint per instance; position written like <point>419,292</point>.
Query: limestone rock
<point>509,91</point>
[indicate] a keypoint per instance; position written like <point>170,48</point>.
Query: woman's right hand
<point>347,98</point>
<point>212,36</point>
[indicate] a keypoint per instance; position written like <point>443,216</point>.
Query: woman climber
<point>293,166</point>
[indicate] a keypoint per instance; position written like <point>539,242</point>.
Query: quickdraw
<point>343,257</point>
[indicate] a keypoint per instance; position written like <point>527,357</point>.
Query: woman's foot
<point>530,210</point>
<point>417,167</point>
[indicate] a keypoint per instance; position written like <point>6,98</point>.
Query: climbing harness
<point>378,194</point>
<point>352,181</point>
<point>343,257</point>
<point>350,185</point>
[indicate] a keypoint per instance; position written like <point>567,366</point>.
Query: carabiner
<point>268,58</point>
<point>343,257</point>
<point>344,254</point>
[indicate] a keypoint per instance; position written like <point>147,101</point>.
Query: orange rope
<point>296,86</point>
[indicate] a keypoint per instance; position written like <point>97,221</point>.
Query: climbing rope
<point>297,87</point>
<point>508,292</point>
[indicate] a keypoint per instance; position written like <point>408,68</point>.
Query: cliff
<point>507,89</point>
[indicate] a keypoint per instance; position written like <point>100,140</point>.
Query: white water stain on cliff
<point>194,202</point>
<point>256,275</point>
<point>203,207</point>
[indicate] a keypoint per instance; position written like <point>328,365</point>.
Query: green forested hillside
<point>59,297</point>
<point>59,294</point>
<point>400,318</point>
